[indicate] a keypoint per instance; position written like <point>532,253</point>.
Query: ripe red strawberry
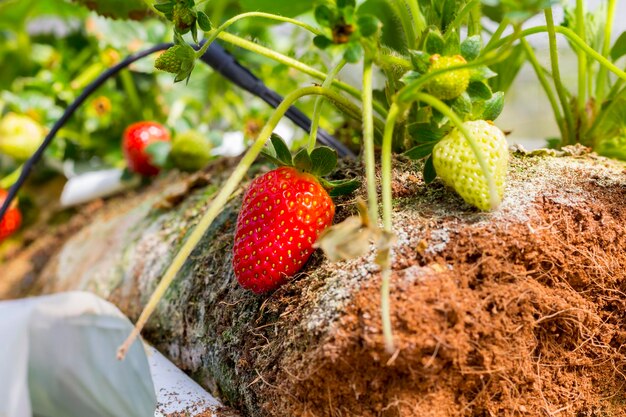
<point>283,213</point>
<point>136,138</point>
<point>11,220</point>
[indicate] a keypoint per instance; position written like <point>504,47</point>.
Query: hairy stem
<point>568,138</point>
<point>319,103</point>
<point>582,64</point>
<point>214,33</point>
<point>530,53</point>
<point>606,48</point>
<point>368,141</point>
<point>294,63</point>
<point>220,200</point>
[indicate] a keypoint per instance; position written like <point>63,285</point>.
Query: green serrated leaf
<point>302,161</point>
<point>481,73</point>
<point>618,49</point>
<point>420,151</point>
<point>281,149</point>
<point>410,76</point>
<point>420,60</point>
<point>323,160</point>
<point>462,105</point>
<point>204,22</point>
<point>341,187</point>
<point>479,90</point>
<point>353,53</point>
<point>434,42</point>
<point>322,41</point>
<point>452,43</point>
<point>159,153</point>
<point>493,107</point>
<point>470,47</point>
<point>368,25</point>
<point>429,170</point>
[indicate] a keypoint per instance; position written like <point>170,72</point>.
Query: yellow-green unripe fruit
<point>450,84</point>
<point>457,165</point>
<point>20,136</point>
<point>191,151</point>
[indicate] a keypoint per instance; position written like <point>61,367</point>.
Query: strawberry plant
<point>432,81</point>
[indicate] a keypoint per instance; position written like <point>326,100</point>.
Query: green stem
<point>214,33</point>
<point>319,103</point>
<point>497,34</point>
<point>530,53</point>
<point>294,63</point>
<point>606,48</point>
<point>569,34</point>
<point>456,120</point>
<point>558,84</point>
<point>368,141</point>
<point>582,63</point>
<point>456,23</point>
<point>131,91</point>
<point>216,206</point>
<point>386,173</point>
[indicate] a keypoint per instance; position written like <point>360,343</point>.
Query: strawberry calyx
<point>319,163</point>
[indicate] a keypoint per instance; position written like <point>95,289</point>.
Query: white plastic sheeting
<point>57,359</point>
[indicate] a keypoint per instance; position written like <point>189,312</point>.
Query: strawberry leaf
<point>323,160</point>
<point>277,151</point>
<point>493,106</point>
<point>479,90</point>
<point>470,48</point>
<point>452,42</point>
<point>420,151</point>
<point>204,22</point>
<point>429,170</point>
<point>341,187</point>
<point>434,42</point>
<point>302,161</point>
<point>420,60</point>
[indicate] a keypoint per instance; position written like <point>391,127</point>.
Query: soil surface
<point>520,312</point>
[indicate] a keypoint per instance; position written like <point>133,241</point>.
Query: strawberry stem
<point>213,34</point>
<point>319,103</point>
<point>294,63</point>
<point>456,120</point>
<point>368,141</point>
<point>220,200</point>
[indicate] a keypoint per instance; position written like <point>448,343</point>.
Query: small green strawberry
<point>20,136</point>
<point>191,151</point>
<point>450,84</point>
<point>456,164</point>
<point>169,61</point>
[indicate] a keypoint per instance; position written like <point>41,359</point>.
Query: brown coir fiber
<point>491,318</point>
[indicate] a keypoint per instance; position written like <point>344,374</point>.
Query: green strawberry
<point>458,167</point>
<point>191,151</point>
<point>169,61</point>
<point>20,136</point>
<point>450,84</point>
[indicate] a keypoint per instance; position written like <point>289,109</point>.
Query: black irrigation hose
<point>216,57</point>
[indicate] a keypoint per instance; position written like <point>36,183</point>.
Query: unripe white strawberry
<point>458,167</point>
